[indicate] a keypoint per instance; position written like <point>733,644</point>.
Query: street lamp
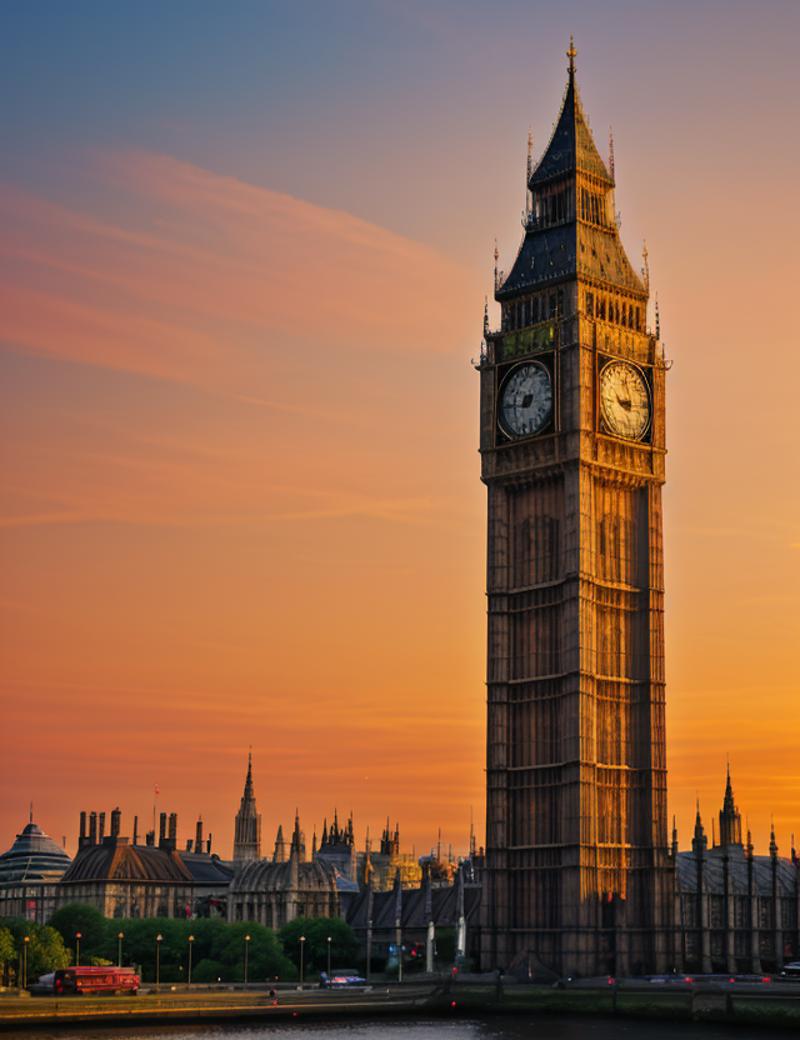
<point>78,937</point>
<point>189,973</point>
<point>25,943</point>
<point>246,950</point>
<point>302,948</point>
<point>329,958</point>
<point>120,937</point>
<point>159,940</point>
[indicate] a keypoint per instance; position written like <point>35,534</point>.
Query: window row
<point>606,307</point>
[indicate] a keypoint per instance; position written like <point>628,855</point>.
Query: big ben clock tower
<point>572,445</point>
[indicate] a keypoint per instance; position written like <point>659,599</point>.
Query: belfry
<point>572,440</point>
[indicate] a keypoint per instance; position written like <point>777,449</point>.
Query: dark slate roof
<point>443,907</point>
<point>714,872</point>
<point>567,250</point>
<point>265,876</point>
<point>118,861</point>
<point>571,147</point>
<point>34,857</point>
<point>207,870</point>
<point>545,256</point>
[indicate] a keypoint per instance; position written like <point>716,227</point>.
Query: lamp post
<point>189,973</point>
<point>120,937</point>
<point>246,951</point>
<point>78,937</point>
<point>25,943</point>
<point>329,958</point>
<point>302,949</point>
<point>159,940</point>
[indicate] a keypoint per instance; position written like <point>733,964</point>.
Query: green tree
<point>77,917</point>
<point>344,945</point>
<point>214,940</point>
<point>8,953</point>
<point>46,950</point>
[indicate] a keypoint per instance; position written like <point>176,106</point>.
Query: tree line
<point>213,949</point>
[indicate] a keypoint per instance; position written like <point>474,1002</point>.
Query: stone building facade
<point>122,878</point>
<point>734,911</point>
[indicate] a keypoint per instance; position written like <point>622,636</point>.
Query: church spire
<point>247,825</point>
<point>730,820</point>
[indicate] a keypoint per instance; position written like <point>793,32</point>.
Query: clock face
<point>526,403</point>
<point>624,400</point>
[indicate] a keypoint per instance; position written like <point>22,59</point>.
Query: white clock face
<point>624,400</point>
<point>526,404</point>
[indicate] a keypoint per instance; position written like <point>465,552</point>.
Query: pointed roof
<point>574,247</point>
<point>728,804</point>
<point>571,146</point>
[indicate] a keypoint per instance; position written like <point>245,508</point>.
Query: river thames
<point>523,1027</point>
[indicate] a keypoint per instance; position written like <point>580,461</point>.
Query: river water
<point>522,1027</point>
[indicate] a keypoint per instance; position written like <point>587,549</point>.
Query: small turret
<point>699,841</point>
<point>279,855</point>
<point>730,820</point>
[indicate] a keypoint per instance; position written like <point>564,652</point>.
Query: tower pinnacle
<point>247,826</point>
<point>571,54</point>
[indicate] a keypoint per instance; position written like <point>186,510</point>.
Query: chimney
<point>93,828</point>
<point>198,834</point>
<point>82,834</point>
<point>136,830</point>
<point>116,817</point>
<point>208,845</point>
<point>173,830</point>
<point>102,826</point>
<point>162,829</point>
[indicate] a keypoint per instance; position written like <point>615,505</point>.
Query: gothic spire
<point>571,147</point>
<point>247,825</point>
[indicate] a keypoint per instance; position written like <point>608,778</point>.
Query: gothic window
<point>551,305</point>
<point>590,305</point>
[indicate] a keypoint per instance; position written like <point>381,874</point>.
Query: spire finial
<point>485,316</point>
<point>645,265</point>
<point>571,54</point>
<point>30,814</point>
<point>658,319</point>
<point>496,271</point>
<point>530,154</point>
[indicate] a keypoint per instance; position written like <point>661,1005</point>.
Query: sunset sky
<point>243,259</point>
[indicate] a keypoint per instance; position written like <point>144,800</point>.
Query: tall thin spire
<point>247,825</point>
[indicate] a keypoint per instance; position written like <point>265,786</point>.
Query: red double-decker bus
<point>77,981</point>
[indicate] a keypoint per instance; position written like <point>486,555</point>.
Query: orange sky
<point>240,483</point>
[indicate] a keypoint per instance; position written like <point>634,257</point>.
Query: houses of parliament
<point>581,873</point>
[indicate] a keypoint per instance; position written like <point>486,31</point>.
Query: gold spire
<point>571,53</point>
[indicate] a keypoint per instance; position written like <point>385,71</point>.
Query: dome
<point>33,857</point>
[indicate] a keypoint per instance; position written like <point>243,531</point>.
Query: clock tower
<point>572,443</point>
